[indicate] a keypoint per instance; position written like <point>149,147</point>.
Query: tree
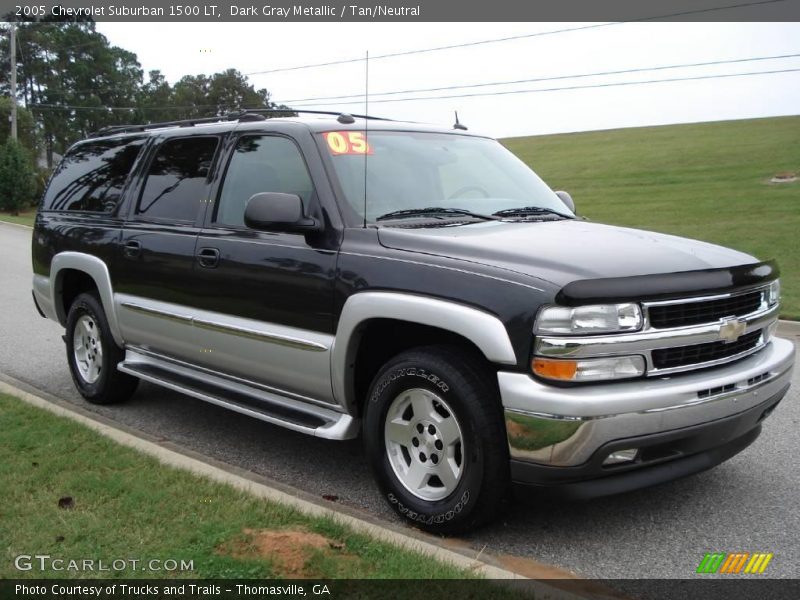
<point>16,177</point>
<point>26,127</point>
<point>73,80</point>
<point>208,95</point>
<point>155,94</point>
<point>230,91</point>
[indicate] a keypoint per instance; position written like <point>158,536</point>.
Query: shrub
<point>17,182</point>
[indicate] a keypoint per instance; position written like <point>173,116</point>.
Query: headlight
<point>595,318</point>
<point>774,292</point>
<point>589,369</point>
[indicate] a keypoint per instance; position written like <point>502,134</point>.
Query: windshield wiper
<point>525,211</point>
<point>433,210</point>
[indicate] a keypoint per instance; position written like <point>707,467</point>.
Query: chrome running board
<point>268,406</point>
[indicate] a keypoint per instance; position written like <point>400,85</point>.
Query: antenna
<point>366,129</point>
<point>458,124</point>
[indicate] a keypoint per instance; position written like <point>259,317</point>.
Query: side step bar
<point>261,404</point>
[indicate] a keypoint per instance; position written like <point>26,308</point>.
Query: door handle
<point>208,257</point>
<point>132,249</point>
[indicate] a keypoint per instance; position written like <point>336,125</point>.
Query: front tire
<point>93,354</point>
<point>435,439</point>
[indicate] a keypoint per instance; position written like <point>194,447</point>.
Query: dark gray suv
<point>418,286</point>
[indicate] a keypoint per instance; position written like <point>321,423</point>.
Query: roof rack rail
<point>112,129</point>
<point>233,116</point>
<point>335,113</point>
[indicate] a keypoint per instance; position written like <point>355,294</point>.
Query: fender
<point>484,330</point>
<point>98,271</point>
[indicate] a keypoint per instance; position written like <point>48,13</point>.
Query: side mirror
<point>274,211</point>
<point>566,199</point>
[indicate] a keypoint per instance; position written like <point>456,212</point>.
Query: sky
<point>179,49</point>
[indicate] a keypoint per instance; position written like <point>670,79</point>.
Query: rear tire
<point>435,439</point>
<point>93,355</point>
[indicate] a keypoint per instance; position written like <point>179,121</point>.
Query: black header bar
<point>276,11</point>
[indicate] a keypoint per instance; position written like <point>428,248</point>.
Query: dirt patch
<point>289,549</point>
<point>784,177</point>
<point>533,569</point>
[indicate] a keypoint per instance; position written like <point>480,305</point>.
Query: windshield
<point>414,170</point>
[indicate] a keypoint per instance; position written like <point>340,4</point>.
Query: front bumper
<point>573,429</point>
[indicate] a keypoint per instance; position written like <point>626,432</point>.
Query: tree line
<point>71,82</point>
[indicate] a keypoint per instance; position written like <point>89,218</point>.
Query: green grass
<point>24,218</point>
<point>128,505</point>
<point>705,181</point>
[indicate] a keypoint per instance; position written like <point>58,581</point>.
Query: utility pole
<point>13,80</point>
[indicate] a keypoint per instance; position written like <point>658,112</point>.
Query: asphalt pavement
<point>748,504</point>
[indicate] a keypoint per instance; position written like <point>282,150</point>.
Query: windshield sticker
<point>347,142</point>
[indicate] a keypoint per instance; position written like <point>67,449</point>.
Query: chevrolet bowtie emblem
<point>731,330</point>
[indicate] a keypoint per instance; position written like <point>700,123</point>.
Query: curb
<point>175,457</point>
<point>789,328</point>
<point>18,225</point>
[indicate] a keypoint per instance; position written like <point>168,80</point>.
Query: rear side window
<point>177,179</point>
<point>261,164</point>
<point>91,176</point>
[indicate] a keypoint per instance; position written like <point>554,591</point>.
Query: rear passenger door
<point>82,202</point>
<point>264,309</point>
<point>154,288</point>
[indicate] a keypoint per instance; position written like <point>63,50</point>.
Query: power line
<point>503,93</point>
<point>50,106</point>
<point>556,89</point>
<point>47,106</point>
<point>553,78</point>
<point>511,38</point>
<point>435,49</point>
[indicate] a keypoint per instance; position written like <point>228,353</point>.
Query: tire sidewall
<point>392,381</point>
<point>87,304</point>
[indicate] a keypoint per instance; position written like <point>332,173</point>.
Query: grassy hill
<point>708,181</point>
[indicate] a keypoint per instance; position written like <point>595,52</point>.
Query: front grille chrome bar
<point>644,342</point>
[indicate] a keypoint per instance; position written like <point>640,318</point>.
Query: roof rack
<point>242,115</point>
<point>311,112</point>
<point>112,129</point>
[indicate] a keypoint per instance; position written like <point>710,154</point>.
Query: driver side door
<point>264,307</point>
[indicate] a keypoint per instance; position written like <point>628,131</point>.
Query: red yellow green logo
<point>734,563</point>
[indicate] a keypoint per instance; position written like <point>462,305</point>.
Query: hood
<point>564,251</point>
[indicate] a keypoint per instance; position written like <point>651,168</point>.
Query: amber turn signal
<point>589,369</point>
<point>555,369</point>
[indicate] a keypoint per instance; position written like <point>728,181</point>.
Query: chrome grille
<point>703,311</point>
<point>680,335</point>
<point>681,356</point>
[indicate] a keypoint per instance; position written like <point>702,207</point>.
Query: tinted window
<point>261,164</point>
<point>92,175</point>
<point>176,179</point>
<point>409,170</point>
